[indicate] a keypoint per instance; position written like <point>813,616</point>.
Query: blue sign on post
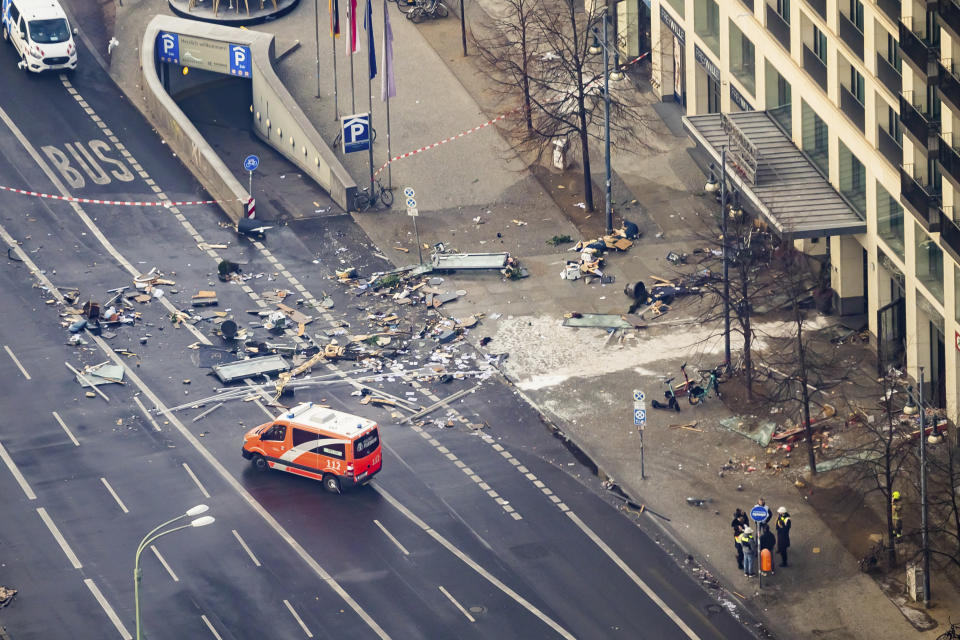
<point>356,132</point>
<point>250,163</point>
<point>639,417</point>
<point>759,513</point>
<point>168,47</point>
<point>240,60</point>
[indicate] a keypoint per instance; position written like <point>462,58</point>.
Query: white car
<point>40,33</point>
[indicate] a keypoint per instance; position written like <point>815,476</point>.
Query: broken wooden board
<point>293,314</point>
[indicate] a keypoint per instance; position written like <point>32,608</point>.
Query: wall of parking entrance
<point>276,118</point>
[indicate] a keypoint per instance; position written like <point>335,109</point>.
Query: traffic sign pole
<point>250,163</point>
<point>640,421</point>
<point>408,193</point>
<point>759,513</point>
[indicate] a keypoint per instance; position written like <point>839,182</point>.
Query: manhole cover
<point>477,609</point>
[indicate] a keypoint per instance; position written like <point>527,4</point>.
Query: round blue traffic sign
<point>250,163</point>
<point>759,513</point>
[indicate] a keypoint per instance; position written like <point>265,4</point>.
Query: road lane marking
<point>449,546</point>
<point>197,480</point>
<point>245,547</point>
<point>7,460</point>
<point>166,566</point>
<point>457,604</point>
<point>71,556</point>
<point>392,538</point>
<point>135,379</point>
<point>95,590</point>
<point>633,576</point>
<point>210,626</point>
<point>64,426</point>
<point>153,422</point>
<point>123,507</point>
<point>17,362</point>
<point>297,618</point>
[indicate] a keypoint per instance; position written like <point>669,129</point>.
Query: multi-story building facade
<point>866,93</point>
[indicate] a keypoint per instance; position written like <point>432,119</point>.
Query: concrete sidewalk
<point>578,380</point>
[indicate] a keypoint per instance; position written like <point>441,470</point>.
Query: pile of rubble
<point>589,265</point>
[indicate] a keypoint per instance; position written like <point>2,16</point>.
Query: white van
<point>40,33</point>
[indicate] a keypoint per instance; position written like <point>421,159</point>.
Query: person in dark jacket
<point>767,541</point>
<point>783,535</point>
<point>738,523</point>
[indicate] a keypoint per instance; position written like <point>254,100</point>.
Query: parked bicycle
<point>697,393</point>
<point>872,559</point>
<point>953,633</point>
<point>423,9</point>
<point>365,199</point>
<point>671,396</point>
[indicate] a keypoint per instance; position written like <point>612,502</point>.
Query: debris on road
<point>241,369</point>
<point>103,373</point>
<point>6,595</point>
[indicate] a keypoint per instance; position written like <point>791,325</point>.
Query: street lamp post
<point>153,535</point>
<point>923,495</point>
<point>605,46</point>
<point>712,187</point>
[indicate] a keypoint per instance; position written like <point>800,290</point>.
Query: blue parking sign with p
<point>168,47</point>
<point>240,60</point>
<point>356,132</point>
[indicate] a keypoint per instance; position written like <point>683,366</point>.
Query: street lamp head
<point>595,47</point>
<point>910,408</point>
<point>197,510</point>
<point>712,185</point>
<point>202,521</point>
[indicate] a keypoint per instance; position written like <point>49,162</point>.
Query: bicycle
<point>426,9</point>
<point>698,393</point>
<point>364,200</point>
<point>953,633</point>
<point>872,559</point>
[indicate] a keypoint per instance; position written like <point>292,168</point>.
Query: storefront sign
<point>705,62</point>
<point>668,20</point>
<point>737,98</point>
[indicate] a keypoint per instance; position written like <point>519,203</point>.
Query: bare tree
<point>545,55</point>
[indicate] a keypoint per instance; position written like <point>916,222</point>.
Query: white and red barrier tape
<point>122,203</point>
<point>479,127</point>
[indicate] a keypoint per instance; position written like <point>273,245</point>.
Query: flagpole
<point>334,20</point>
<point>316,37</point>
<point>352,19</point>
<point>371,57</point>
<point>389,154</point>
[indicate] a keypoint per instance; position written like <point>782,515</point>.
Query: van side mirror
<point>76,31</point>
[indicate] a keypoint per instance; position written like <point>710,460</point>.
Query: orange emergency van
<point>340,449</point>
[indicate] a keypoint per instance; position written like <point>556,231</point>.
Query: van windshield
<point>49,31</point>
<point>362,447</point>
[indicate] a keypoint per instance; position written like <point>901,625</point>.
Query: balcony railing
<point>820,6</point>
<point>852,35</point>
<point>888,75</point>
<point>950,236</point>
<point>889,147</point>
<point>916,50</point>
<point>950,16</point>
<point>922,203</point>
<point>778,27</point>
<point>815,67</point>
<point>918,124</point>
<point>891,8</point>
<point>949,158</point>
<point>851,107</point>
<point>950,83</point>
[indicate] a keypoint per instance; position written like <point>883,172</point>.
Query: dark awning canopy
<point>795,198</point>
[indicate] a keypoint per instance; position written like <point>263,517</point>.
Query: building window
<point>893,125</point>
<point>890,220</point>
<point>742,59</point>
<point>783,10</point>
<point>853,179</point>
<point>856,14</point>
<point>707,23</point>
<point>956,293</point>
<point>856,84</point>
<point>778,97</point>
<point>815,139</point>
<point>893,53</point>
<point>678,7</point>
<point>929,263</point>
<point>820,44</point>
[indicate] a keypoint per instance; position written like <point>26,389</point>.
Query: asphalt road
<point>465,533</point>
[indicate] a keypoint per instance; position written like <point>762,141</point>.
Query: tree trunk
<point>578,63</point>
<point>585,154</point>
<point>887,493</point>
<point>804,392</point>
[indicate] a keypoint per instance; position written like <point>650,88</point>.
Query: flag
<point>371,52</point>
<point>388,84</point>
<point>334,6</point>
<point>352,16</point>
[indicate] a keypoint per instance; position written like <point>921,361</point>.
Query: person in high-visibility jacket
<point>749,551</point>
<point>896,509</point>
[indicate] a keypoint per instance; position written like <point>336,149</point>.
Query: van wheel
<point>259,462</point>
<point>331,484</point>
